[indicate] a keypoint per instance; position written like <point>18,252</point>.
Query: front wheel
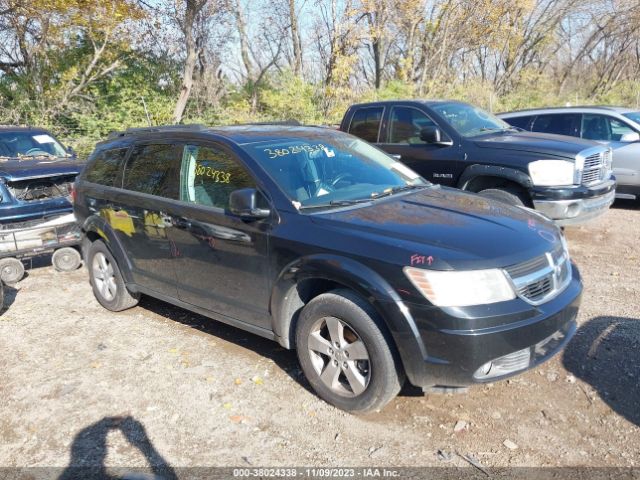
<point>106,280</point>
<point>345,353</point>
<point>508,196</point>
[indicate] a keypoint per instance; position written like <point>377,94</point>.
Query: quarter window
<point>406,124</point>
<point>209,175</point>
<point>105,168</point>
<point>154,169</point>
<point>520,122</point>
<point>366,123</point>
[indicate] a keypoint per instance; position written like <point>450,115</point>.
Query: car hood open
<point>40,167</point>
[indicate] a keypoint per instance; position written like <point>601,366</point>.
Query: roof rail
<point>290,122</point>
<point>161,128</point>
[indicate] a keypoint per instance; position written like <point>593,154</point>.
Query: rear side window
<point>154,169</point>
<point>105,169</point>
<point>520,122</point>
<point>558,123</point>
<point>209,175</point>
<point>601,127</point>
<point>365,123</point>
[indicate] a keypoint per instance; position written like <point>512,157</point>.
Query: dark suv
<point>456,144</point>
<point>323,243</point>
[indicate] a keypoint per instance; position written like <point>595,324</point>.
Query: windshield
<point>332,170</point>
<point>470,121</point>
<point>29,144</point>
<point>635,116</point>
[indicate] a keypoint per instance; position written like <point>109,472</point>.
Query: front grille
<point>596,167</point>
<point>541,278</point>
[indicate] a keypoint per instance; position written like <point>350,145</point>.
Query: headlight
<point>549,173</point>
<point>461,288</point>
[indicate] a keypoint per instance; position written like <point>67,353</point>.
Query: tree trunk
<point>192,10</point>
<point>295,38</point>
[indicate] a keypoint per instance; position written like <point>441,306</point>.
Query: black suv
<point>320,241</point>
<point>456,144</point>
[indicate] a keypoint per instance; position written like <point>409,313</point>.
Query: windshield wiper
<point>402,188</point>
<point>374,196</point>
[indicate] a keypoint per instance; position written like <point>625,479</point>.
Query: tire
<point>66,259</point>
<point>506,196</point>
<point>106,280</point>
<point>361,373</point>
<point>11,270</point>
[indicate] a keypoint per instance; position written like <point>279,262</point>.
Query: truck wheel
<point>506,196</point>
<point>346,355</point>
<point>11,270</point>
<point>66,259</point>
<point>106,280</point>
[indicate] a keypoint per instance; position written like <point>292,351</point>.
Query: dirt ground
<point>156,384</point>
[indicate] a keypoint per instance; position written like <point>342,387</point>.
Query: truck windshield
<point>470,121</point>
<point>29,144</point>
<point>332,170</point>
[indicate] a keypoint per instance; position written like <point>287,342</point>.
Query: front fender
<point>99,226</point>
<point>474,171</point>
<point>286,302</point>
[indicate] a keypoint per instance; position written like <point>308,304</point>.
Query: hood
<point>13,170</point>
<point>457,230</point>
<point>540,143</point>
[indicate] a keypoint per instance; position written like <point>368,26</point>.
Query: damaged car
<point>36,184</point>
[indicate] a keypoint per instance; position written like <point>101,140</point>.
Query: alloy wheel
<point>104,277</point>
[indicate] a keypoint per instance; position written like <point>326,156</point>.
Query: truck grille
<point>596,167</point>
<point>542,278</point>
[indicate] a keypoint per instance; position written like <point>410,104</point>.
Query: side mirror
<point>630,137</point>
<point>244,203</point>
<point>433,135</point>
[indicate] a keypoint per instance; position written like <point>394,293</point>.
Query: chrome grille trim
<point>594,165</point>
<point>539,280</point>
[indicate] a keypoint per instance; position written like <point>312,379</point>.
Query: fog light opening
<point>573,210</point>
<point>484,370</point>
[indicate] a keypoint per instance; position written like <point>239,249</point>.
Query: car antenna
<point>146,112</point>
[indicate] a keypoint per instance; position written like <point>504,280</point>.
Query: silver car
<point>617,127</point>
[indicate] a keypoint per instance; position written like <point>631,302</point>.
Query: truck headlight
<point>549,173</point>
<point>461,288</point>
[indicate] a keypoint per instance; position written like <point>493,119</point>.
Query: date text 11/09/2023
<point>369,472</point>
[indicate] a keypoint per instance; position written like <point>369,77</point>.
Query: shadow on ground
<point>605,353</point>
<point>283,358</point>
<point>626,204</point>
<point>7,297</point>
<point>89,450</point>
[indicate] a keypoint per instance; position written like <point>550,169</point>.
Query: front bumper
<point>573,205</point>
<point>460,342</point>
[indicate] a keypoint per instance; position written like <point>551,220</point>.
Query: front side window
<point>603,128</point>
<point>209,175</point>
<point>326,169</point>
<point>557,123</point>
<point>366,123</point>
<point>154,169</point>
<point>469,121</point>
<point>29,144</point>
<point>105,167</point>
<point>406,124</point>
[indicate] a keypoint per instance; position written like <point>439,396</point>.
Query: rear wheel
<point>66,259</point>
<point>11,270</point>
<point>106,280</point>
<point>508,196</point>
<point>346,354</point>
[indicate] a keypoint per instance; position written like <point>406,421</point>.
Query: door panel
<point>441,164</point>
<point>139,214</point>
<point>221,260</point>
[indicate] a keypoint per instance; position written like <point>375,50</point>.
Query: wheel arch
<point>474,176</point>
<point>306,278</point>
<point>96,228</point>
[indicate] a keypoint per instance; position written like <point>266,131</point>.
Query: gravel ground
<point>82,386</point>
